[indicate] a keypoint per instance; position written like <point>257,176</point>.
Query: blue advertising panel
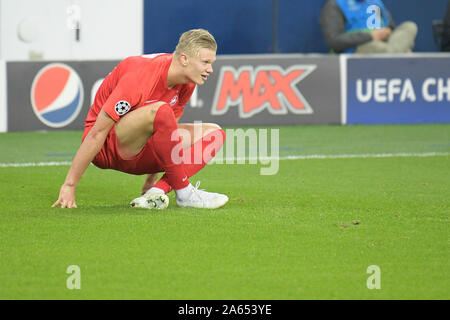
<point>395,90</point>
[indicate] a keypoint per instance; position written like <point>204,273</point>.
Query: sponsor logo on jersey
<point>268,88</point>
<point>173,101</point>
<point>57,95</point>
<point>122,107</point>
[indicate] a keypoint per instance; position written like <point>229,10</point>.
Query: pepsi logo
<point>57,95</point>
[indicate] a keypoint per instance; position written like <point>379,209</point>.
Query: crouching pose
<point>133,127</point>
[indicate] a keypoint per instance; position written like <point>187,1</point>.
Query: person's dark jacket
<point>332,22</point>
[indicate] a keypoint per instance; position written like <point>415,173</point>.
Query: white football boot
<point>151,200</point>
<point>197,198</point>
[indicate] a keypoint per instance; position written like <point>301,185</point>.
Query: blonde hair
<point>193,40</point>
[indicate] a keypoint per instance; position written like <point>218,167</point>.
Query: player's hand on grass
<point>66,197</point>
<point>149,182</point>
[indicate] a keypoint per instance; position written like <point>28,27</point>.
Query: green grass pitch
<point>308,232</point>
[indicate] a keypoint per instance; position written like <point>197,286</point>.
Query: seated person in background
<point>446,30</point>
<point>364,26</point>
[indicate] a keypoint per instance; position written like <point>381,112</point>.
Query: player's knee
<point>222,132</point>
<point>163,118</point>
<point>153,107</point>
<point>152,110</point>
<point>210,127</point>
<point>215,126</point>
<point>215,129</point>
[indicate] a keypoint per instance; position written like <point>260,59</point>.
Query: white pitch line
<point>225,160</point>
<point>334,156</point>
<point>35,164</point>
<point>368,155</point>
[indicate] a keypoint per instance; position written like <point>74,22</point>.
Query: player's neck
<point>175,75</point>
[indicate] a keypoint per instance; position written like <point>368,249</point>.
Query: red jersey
<point>135,82</point>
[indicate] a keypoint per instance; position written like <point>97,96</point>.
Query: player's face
<point>200,67</point>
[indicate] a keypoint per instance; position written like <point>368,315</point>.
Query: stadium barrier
<point>3,99</point>
<point>397,89</point>
<point>49,95</point>
<point>249,90</point>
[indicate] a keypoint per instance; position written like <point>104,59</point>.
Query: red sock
<point>209,145</point>
<point>165,139</point>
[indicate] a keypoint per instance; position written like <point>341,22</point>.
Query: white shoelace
<point>201,194</point>
<point>197,191</point>
<point>197,185</point>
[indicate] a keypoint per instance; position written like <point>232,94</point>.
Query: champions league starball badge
<point>122,107</point>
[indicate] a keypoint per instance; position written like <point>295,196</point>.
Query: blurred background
<point>113,29</point>
<point>83,40</point>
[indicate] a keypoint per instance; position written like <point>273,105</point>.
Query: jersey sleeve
<point>123,98</point>
<point>185,95</point>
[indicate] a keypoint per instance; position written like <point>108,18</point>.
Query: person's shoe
<point>201,199</point>
<point>151,200</point>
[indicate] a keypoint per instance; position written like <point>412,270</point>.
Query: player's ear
<point>183,58</point>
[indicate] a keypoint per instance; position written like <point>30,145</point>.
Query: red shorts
<point>109,158</point>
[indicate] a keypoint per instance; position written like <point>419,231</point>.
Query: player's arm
<point>90,147</point>
<point>150,180</point>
